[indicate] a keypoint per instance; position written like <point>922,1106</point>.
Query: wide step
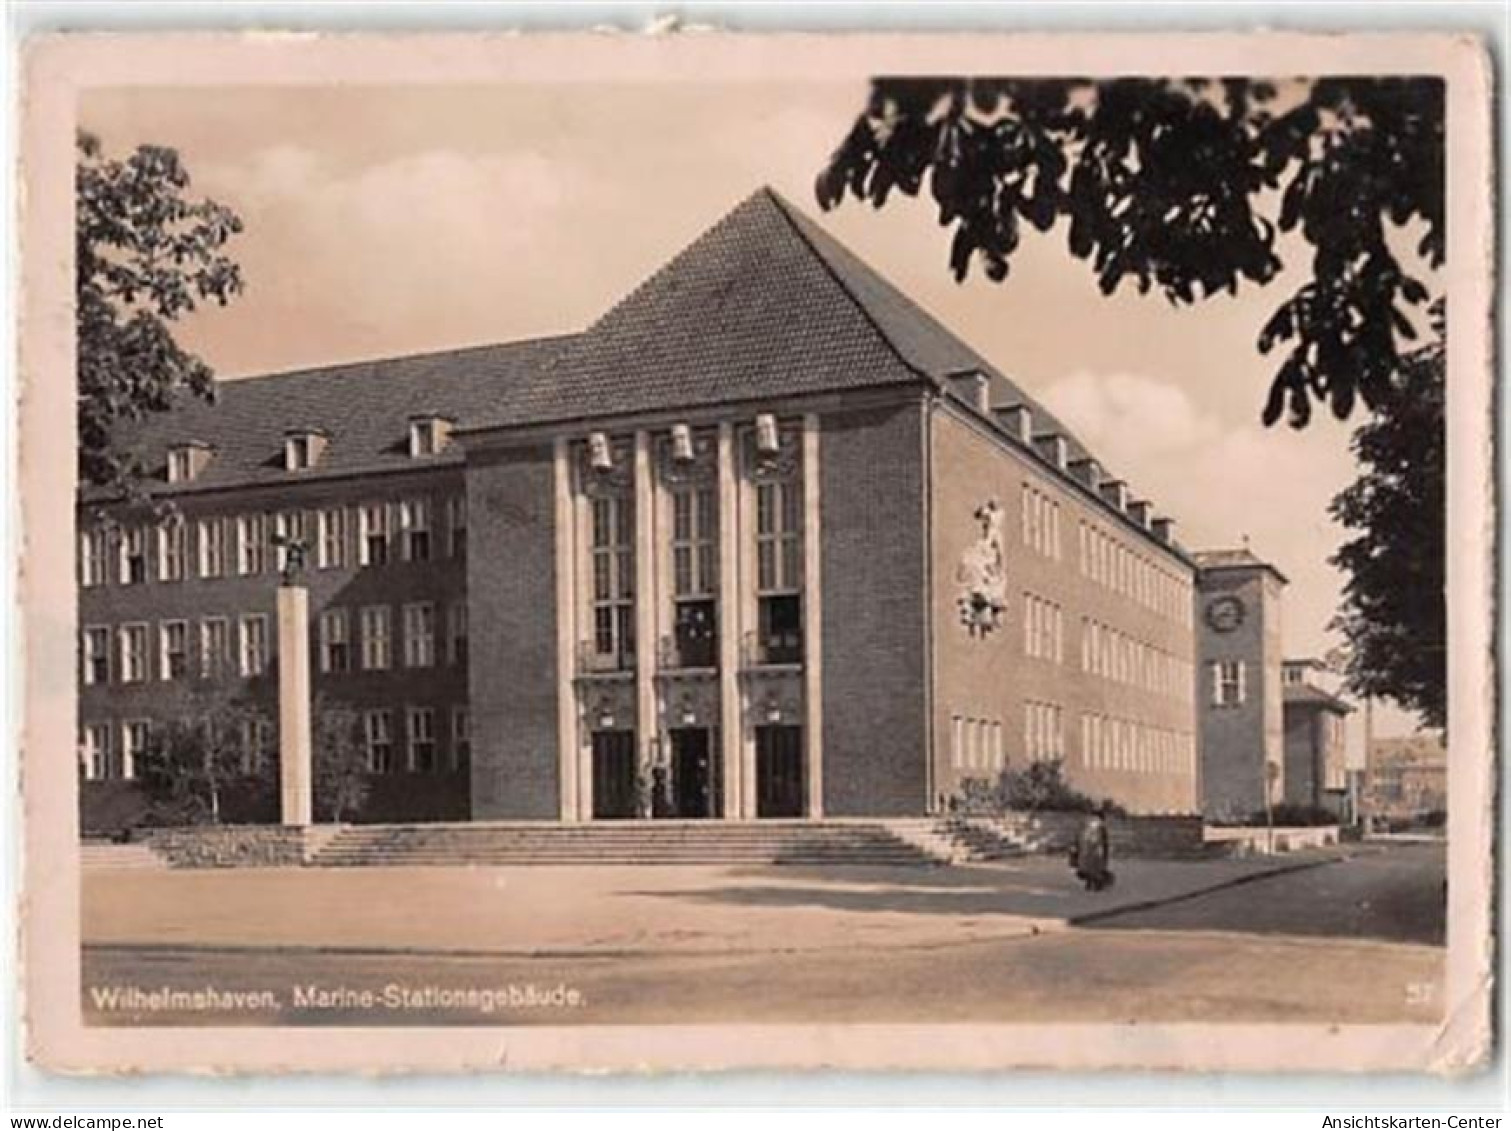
<point>649,843</point>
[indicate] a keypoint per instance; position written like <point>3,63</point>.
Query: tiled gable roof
<point>364,407</point>
<point>764,304</point>
<point>1305,693</point>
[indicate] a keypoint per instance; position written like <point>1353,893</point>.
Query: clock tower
<point>1238,690</point>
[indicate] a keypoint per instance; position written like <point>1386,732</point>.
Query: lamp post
<point>1271,775</point>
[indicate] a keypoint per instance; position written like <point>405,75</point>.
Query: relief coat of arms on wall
<point>982,574</point>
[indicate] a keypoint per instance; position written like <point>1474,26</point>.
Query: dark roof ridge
<point>788,210</point>
<point>328,368</point>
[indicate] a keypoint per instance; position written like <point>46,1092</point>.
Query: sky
<point>386,220</point>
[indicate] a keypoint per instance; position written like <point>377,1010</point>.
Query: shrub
<point>1039,786</point>
<point>1294,816</point>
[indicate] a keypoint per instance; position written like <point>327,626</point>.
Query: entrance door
<point>779,771</point>
<point>696,787</point>
<point>614,793</point>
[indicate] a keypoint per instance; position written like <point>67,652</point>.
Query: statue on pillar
<point>295,555</point>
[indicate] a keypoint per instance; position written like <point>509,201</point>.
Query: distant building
<point>1239,712</point>
<point>1407,777</point>
<point>1316,770</point>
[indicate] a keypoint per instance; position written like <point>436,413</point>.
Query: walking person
<point>1092,853</point>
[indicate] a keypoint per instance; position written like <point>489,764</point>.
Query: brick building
<point>1316,768</point>
<point>1240,710</point>
<point>765,540</point>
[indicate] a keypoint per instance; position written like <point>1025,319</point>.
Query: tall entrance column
<point>571,807</point>
<point>645,605</point>
<point>294,740</point>
<point>813,621</point>
<point>731,716</point>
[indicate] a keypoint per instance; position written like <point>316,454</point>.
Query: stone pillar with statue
<point>295,744</point>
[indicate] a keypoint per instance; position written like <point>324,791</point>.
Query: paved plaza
<point>1347,934</point>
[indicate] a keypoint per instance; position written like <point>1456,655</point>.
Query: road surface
<point>1356,941</point>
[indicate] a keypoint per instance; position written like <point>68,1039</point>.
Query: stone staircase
<point>102,856</point>
<point>980,838</point>
<point>486,844</point>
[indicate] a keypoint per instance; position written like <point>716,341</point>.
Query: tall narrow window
<point>214,648</point>
<point>172,547</point>
<point>378,729</point>
<point>414,517</point>
<point>95,652</point>
<point>419,635</point>
<point>95,755</point>
<point>212,547</point>
<point>173,663</point>
<point>373,537</point>
<point>422,759</point>
<point>376,637</point>
<point>136,736</point>
<point>335,641</point>
<point>254,644</point>
<point>461,738</point>
<point>257,743</point>
<point>779,571</point>
<point>251,544</point>
<point>694,576</point>
<point>331,552</point>
<point>613,581</point>
<point>133,653</point>
<point>133,555</point>
<point>456,632</point>
<point>456,524</point>
<point>94,556</point>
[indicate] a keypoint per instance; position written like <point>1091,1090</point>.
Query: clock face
<point>1224,614</point>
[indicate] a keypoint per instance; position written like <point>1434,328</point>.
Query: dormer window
<point>428,435</point>
<point>186,461</point>
<point>302,448</point>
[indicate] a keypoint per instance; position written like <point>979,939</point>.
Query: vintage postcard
<point>707,551</point>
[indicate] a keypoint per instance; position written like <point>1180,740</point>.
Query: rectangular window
<point>377,728</point>
<point>694,534</point>
<point>419,635</point>
<point>95,653</point>
<point>331,552</point>
<point>133,653</point>
<point>957,741</point>
<point>780,620</point>
<point>376,636</point>
<point>414,517</point>
<point>180,465</point>
<point>173,641</point>
<point>172,544</point>
<point>254,644</point>
<point>335,641</point>
<point>456,524</point>
<point>94,556</point>
<point>212,547</point>
<point>214,648</point>
<point>95,754</point>
<point>257,744</point>
<point>251,544</point>
<point>422,759</point>
<point>1228,679</point>
<point>613,563</point>
<point>133,555</point>
<point>136,735</point>
<point>779,537</point>
<point>456,632</point>
<point>461,738</point>
<point>372,543</point>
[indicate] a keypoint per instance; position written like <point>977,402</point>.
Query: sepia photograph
<point>750,536</point>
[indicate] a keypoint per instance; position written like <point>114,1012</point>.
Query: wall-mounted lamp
<point>600,455</point>
<point>768,443</point>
